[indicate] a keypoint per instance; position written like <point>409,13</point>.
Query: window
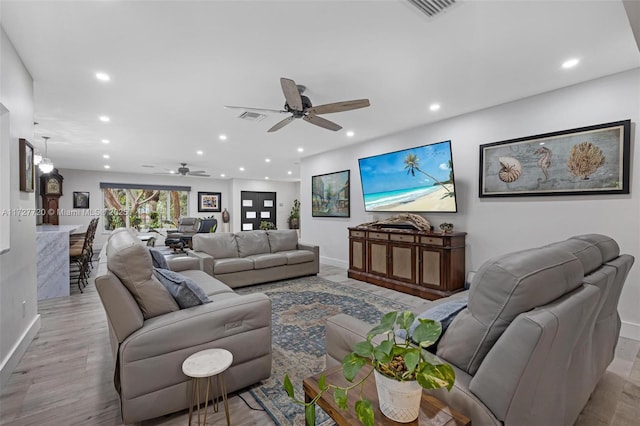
<point>143,206</point>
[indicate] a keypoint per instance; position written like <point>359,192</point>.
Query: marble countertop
<point>57,228</point>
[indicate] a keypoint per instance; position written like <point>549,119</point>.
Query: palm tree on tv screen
<point>412,164</point>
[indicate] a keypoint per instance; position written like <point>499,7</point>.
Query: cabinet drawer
<point>378,236</point>
<point>404,238</point>
<point>359,234</point>
<point>434,241</point>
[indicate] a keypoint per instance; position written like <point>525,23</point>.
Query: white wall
<point>19,319</point>
<point>497,226</point>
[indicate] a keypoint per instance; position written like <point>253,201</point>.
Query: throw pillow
<point>158,259</point>
<point>443,312</point>
<point>183,289</point>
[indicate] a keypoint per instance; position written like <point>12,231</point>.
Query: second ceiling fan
<point>300,107</point>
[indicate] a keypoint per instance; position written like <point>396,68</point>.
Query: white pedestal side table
<point>205,365</point>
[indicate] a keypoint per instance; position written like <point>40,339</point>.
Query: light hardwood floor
<point>65,377</point>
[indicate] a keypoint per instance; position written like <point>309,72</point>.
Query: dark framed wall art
<point>209,201</point>
<point>330,195</point>
<point>80,200</point>
<point>27,172</point>
<point>581,161</point>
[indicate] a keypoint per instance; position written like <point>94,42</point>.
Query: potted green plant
<point>294,216</point>
<point>265,225</point>
<point>395,361</point>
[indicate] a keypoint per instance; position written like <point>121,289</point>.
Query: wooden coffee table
<point>432,411</point>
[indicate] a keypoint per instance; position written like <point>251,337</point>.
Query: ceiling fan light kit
<point>300,106</point>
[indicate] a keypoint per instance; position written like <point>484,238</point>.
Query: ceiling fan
<point>184,171</point>
<point>300,107</point>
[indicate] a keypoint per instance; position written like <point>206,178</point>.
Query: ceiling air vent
<point>433,7</point>
<point>251,116</point>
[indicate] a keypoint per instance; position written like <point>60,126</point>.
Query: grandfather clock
<point>51,189</point>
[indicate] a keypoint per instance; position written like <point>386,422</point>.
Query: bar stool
<point>205,365</point>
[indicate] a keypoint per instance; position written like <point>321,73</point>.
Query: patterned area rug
<point>300,307</point>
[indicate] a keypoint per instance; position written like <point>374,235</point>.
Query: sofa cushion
<point>608,246</point>
<point>226,266</point>
<point>157,258</point>
<point>269,260</point>
<point>252,242</point>
<point>588,254</point>
<point>210,285</point>
<point>503,288</point>
<point>131,262</point>
<point>219,245</point>
<point>282,240</point>
<point>295,257</point>
<point>183,289</point>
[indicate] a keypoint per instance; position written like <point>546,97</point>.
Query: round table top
<point>208,362</point>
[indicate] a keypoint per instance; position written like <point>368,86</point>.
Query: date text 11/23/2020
<point>61,212</point>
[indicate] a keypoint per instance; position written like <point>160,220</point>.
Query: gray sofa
<point>252,257</point>
<point>151,337</point>
<point>539,330</point>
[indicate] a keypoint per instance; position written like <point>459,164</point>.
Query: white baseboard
<point>334,262</point>
<point>630,330</point>
<point>14,356</point>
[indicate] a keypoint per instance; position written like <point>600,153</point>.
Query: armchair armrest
<point>205,260</point>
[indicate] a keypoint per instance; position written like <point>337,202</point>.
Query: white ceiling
<point>174,64</point>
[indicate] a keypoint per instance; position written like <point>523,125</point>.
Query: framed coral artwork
<point>582,161</point>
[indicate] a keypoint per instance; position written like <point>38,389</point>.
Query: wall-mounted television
<point>411,180</point>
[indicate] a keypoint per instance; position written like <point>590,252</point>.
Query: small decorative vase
<point>399,401</point>
<point>446,227</point>
<point>225,216</point>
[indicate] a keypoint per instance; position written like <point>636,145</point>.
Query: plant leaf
<point>288,386</point>
<point>364,410</point>
<point>383,352</point>
<point>411,359</point>
<point>437,376</point>
<point>405,319</point>
<point>322,382</point>
<point>386,325</point>
<point>340,397</point>
<point>364,349</point>
<point>310,415</point>
<point>351,364</point>
<point>427,332</point>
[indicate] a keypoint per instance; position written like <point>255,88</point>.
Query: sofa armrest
<point>183,263</point>
<point>343,332</point>
<point>189,328</point>
<point>316,252</point>
<point>205,260</point>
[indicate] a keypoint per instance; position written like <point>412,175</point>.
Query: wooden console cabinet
<point>426,264</point>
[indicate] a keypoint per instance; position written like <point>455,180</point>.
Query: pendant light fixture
<point>46,165</point>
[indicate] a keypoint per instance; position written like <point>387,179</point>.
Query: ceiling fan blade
<point>198,174</point>
<point>280,124</point>
<point>338,106</point>
<point>291,93</point>
<point>322,122</point>
<point>281,111</point>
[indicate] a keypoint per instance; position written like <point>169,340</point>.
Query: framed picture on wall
<point>209,201</point>
<point>27,172</point>
<point>330,195</point>
<point>80,200</point>
<point>584,161</point>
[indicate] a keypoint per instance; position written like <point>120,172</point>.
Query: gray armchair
<point>187,227</point>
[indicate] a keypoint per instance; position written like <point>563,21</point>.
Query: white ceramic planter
<point>399,401</point>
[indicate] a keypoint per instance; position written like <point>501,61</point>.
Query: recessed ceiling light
<point>106,156</point>
<point>173,172</point>
<point>350,133</point>
<point>199,152</point>
<point>570,63</point>
<point>241,169</point>
<point>434,107</point>
<point>104,119</point>
<point>267,160</point>
<point>266,177</point>
<point>106,166</point>
<point>222,175</point>
<point>300,149</point>
<point>103,76</point>
<point>105,141</point>
<point>222,137</point>
<point>289,172</point>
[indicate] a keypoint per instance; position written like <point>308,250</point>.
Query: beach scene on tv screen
<point>412,180</point>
